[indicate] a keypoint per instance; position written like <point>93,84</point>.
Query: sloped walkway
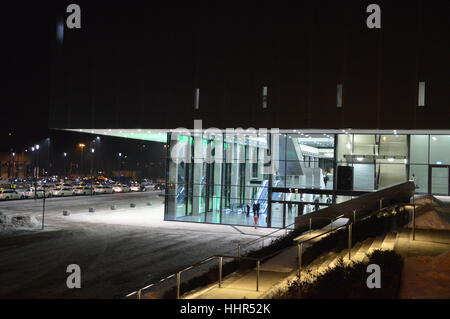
<point>272,271</point>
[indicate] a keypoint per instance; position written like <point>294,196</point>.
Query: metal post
<point>257,275</point>
<point>299,258</point>
<point>310,223</point>
<point>331,223</point>
<point>220,271</point>
<point>178,284</point>
<point>381,204</point>
<point>239,250</point>
<point>43,209</point>
<point>354,215</point>
<point>414,223</point>
<point>350,241</point>
<point>138,293</point>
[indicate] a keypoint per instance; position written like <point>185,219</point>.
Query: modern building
<point>337,108</point>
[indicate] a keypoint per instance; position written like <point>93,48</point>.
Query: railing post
<point>350,241</point>
<point>381,204</point>
<point>310,223</point>
<point>414,223</point>
<point>139,294</point>
<point>257,275</point>
<point>354,215</point>
<point>299,259</point>
<point>178,284</point>
<point>220,271</point>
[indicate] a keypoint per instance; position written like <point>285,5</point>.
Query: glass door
<point>439,181</point>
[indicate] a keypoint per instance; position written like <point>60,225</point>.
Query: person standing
<point>248,209</point>
<point>289,208</point>
<point>257,208</point>
<point>316,204</point>
<point>255,219</point>
<point>301,208</point>
<point>326,179</point>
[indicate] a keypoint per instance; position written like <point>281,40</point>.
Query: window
<point>421,94</point>
<point>264,97</point>
<point>197,98</point>
<point>254,170</point>
<point>339,90</point>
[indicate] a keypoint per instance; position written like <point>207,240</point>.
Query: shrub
<point>348,281</point>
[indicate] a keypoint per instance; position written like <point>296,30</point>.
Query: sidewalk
<point>426,268</point>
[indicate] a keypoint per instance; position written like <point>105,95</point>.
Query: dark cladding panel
<point>327,62</point>
<point>138,65</point>
<point>399,68</point>
<point>106,72</point>
<point>361,94</point>
<point>78,73</point>
<point>293,34</point>
<point>239,68</point>
<point>434,67</point>
<point>210,68</point>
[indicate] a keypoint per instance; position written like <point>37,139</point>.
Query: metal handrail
<point>348,225</point>
<point>239,246</point>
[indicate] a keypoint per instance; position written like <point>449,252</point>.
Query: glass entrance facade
<point>215,177</point>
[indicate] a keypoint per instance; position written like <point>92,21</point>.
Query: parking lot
<point>118,250</point>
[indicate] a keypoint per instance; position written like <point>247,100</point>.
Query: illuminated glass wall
<point>218,178</point>
<point>378,161</point>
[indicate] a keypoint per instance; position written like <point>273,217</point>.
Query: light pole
<point>36,170</point>
<point>81,146</point>
<point>12,166</point>
<point>92,167</point>
<point>65,167</point>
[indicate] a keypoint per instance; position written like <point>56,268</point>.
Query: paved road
<point>118,251</point>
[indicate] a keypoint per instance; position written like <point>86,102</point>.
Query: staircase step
<point>318,261</point>
<point>363,250</point>
<point>327,261</point>
<point>389,241</point>
<point>376,244</point>
<point>341,255</point>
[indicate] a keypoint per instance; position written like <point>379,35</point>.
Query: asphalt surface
<point>118,251</point>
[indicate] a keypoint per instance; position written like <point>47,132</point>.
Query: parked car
<point>8,194</point>
<point>119,188</point>
<point>158,187</point>
<point>135,188</point>
<point>30,193</point>
<point>65,191</point>
<point>103,189</point>
<point>83,190</point>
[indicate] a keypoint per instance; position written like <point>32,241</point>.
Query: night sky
<point>28,38</point>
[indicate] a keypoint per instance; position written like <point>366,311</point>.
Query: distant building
<point>15,165</point>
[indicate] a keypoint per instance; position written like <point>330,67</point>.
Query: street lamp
<point>92,168</point>
<point>81,146</point>
<point>36,175</point>
<point>65,166</point>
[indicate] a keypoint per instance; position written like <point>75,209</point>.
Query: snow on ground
<point>432,213</point>
<point>10,224</point>
<point>118,250</point>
